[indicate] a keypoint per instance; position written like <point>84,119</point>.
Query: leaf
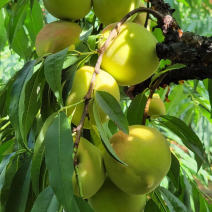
<point>172,67</point>
<point>34,20</point>
<point>16,22</point>
<point>83,205</point>
<point>59,161</point>
<point>39,154</point>
<point>87,30</point>
<point>3,31</point>
<point>96,137</point>
<point>111,107</point>
<point>29,104</point>
<point>19,189</point>
<point>10,173</point>
<point>151,206</point>
<point>136,110</point>
<point>18,87</point>
<point>106,141</point>
<point>188,137</point>
<point>210,93</point>
<point>5,146</point>
<point>52,69</point>
<point>174,171</point>
<point>173,203</point>
<point>46,201</point>
<point>3,2</point>
<point>70,74</point>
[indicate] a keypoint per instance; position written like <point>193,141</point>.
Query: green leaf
<point>173,203</point>
<point>39,154</point>
<point>172,67</point>
<point>174,171</point>
<point>59,161</point>
<point>17,89</point>
<point>10,173</point>
<point>34,20</point>
<point>96,137</point>
<point>87,30</point>
<point>46,202</point>
<point>83,205</point>
<point>52,69</point>
<point>111,107</point>
<point>5,146</point>
<point>3,2</point>
<point>16,22</point>
<point>186,134</point>
<point>210,93</point>
<point>3,31</point>
<point>19,189</point>
<point>30,103</point>
<point>105,139</point>
<point>136,110</point>
<point>70,74</point>
<point>151,206</point>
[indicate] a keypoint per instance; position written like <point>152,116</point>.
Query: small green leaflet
<point>111,107</point>
<point>106,141</point>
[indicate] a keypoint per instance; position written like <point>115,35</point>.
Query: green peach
<point>147,154</point>
<point>156,106</point>
<point>131,57</point>
<point>57,36</point>
<point>108,11</point>
<point>81,83</point>
<point>91,169</point>
<point>68,9</point>
<point>110,198</point>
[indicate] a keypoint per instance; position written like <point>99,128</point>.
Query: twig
<point>88,96</point>
<point>152,91</point>
<point>147,17</point>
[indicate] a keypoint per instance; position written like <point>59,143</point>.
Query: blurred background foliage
<point>188,101</point>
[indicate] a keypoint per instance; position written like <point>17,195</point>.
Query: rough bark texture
<point>192,50</point>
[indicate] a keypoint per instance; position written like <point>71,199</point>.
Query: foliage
<point>35,136</point>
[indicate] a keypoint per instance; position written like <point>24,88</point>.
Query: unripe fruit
<point>57,36</point>
<point>131,57</point>
<point>147,154</point>
<point>68,9</point>
<point>157,106</point>
<point>141,17</point>
<point>81,83</point>
<point>108,11</point>
<point>110,198</point>
<point>91,169</point>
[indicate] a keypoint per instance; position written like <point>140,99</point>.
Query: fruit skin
<point>81,83</point>
<point>157,106</point>
<point>141,17</point>
<point>68,9</point>
<point>108,11</point>
<point>147,154</point>
<point>91,169</point>
<point>110,198</point>
<point>130,59</point>
<point>57,36</point>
